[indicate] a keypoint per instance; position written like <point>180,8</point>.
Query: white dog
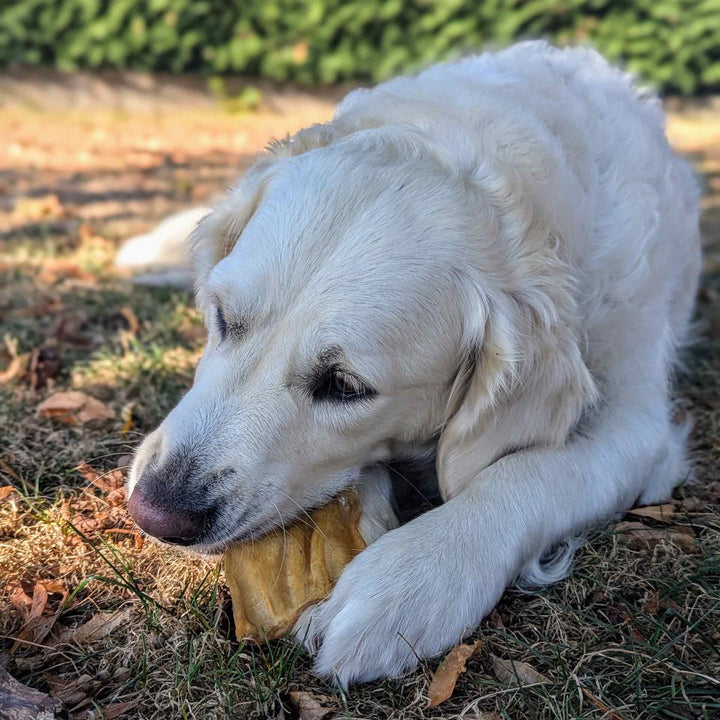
<point>493,264</point>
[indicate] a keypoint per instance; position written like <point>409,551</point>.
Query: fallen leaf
<point>117,497</point>
<point>25,703</point>
<point>69,691</point>
<point>110,712</point>
<point>640,536</point>
<point>495,620</point>
<point>512,673</point>
<point>97,627</point>
<point>132,320</point>
<point>600,705</point>
<point>40,208</point>
<point>684,541</point>
<point>16,367</point>
<point>39,601</point>
<point>652,604</point>
<point>74,408</point>
<point>480,715</point>
<point>128,335</point>
<point>18,363</point>
<point>127,417</point>
<point>21,601</point>
<point>6,490</point>
<point>661,513</point>
<point>449,670</point>
<point>694,504</point>
<point>106,481</point>
<point>36,626</point>
<point>311,706</point>
<point>61,268</point>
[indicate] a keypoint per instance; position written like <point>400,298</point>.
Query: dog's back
<point>567,130</point>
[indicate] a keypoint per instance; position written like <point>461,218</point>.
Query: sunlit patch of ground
<point>633,633</point>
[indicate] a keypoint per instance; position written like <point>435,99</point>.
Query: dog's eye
<point>221,323</point>
<point>340,386</point>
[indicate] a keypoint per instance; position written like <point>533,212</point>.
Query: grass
<point>633,633</point>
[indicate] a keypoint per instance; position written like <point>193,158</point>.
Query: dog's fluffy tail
<point>161,256</point>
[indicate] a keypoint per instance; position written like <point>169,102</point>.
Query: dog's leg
<point>418,589</point>
<point>376,503</point>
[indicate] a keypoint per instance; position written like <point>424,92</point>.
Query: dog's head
<point>343,319</point>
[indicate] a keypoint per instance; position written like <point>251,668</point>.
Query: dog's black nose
<point>176,525</point>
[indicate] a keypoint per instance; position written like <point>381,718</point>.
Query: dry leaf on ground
<point>40,208</point>
<point>652,604</point>
<point>36,625</point>
<point>21,601</point>
<point>128,335</point>
<point>39,601</point>
<point>495,620</point>
<point>16,367</point>
<point>313,707</point>
<point>6,490</point>
<point>448,672</point>
<point>126,414</point>
<point>74,408</point>
<point>63,269</point>
<point>114,710</point>
<point>72,691</point>
<point>513,672</point>
<point>608,712</point>
<point>107,482</point>
<point>131,318</point>
<point>17,362</point>
<point>97,627</point>
<point>661,513</point>
<point>694,504</point>
<point>639,536</point>
<point>19,702</point>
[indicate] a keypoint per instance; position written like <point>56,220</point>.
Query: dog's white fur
<point>507,249</point>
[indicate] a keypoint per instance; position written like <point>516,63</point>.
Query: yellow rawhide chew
<point>274,578</point>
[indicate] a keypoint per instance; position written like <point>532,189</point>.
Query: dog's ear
<point>217,233</point>
<point>522,383</point>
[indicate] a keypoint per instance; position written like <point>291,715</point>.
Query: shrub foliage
<point>672,43</point>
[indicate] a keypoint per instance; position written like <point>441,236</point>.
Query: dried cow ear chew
<point>274,578</point>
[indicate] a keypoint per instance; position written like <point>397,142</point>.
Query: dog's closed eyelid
<point>229,326</point>
<point>221,322</point>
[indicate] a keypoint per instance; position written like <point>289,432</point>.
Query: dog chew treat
<point>274,578</point>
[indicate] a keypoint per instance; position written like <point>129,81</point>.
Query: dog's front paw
<point>370,625</point>
<point>407,596</point>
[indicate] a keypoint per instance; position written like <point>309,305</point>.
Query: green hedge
<point>672,43</point>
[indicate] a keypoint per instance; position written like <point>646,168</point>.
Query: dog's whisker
<point>409,482</point>
<point>284,546</point>
<point>308,519</point>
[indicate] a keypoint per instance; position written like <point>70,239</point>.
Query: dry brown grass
<point>633,633</point>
